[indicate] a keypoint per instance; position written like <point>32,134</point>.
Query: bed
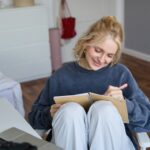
<point>11,90</point>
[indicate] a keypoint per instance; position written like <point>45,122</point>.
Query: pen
<point>123,86</point>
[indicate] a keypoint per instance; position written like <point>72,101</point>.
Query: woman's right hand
<point>54,109</point>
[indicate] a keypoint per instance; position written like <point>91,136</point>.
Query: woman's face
<point>102,54</point>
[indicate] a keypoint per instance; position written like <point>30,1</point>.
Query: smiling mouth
<point>96,63</point>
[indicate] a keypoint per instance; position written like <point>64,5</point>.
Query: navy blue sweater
<point>73,79</point>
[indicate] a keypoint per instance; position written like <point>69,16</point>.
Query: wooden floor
<point>139,68</point>
<point>30,91</point>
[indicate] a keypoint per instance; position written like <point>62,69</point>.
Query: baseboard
<point>33,78</point>
<point>143,56</point>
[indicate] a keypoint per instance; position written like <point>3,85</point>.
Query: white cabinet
<point>24,43</point>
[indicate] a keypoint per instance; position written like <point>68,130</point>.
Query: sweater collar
<point>82,65</point>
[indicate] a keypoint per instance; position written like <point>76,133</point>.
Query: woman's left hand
<point>116,92</point>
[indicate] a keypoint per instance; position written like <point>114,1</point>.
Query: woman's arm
<point>138,106</point>
<point>40,117</point>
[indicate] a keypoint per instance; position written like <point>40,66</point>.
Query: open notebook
<point>86,99</point>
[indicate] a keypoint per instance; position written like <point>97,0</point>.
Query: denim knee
<point>70,111</point>
<point>103,110</point>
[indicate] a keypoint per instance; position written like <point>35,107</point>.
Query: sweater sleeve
<point>40,117</point>
<point>138,106</point>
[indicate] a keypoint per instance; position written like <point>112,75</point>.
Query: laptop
<point>16,135</point>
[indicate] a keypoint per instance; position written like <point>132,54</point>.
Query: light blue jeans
<point>99,129</point>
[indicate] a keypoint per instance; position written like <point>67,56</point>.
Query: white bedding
<point>11,90</point>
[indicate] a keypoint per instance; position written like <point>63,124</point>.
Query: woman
<point>96,70</point>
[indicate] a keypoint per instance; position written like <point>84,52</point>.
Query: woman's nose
<point>102,58</point>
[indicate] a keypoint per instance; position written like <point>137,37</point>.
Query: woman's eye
<point>110,56</point>
<point>98,50</point>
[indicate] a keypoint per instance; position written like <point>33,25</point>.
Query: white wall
<point>86,13</point>
<point>50,10</point>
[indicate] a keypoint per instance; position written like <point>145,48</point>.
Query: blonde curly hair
<point>98,32</point>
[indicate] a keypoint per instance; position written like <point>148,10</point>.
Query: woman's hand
<point>116,92</point>
<point>54,109</point>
